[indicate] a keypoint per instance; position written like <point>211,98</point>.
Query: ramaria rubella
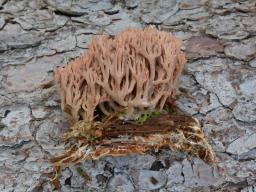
<point>121,79</point>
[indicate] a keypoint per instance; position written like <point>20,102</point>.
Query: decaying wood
<point>161,124</point>
<point>118,138</point>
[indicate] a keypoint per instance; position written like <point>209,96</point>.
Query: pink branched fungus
<point>133,73</point>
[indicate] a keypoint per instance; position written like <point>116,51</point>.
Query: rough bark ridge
<point>132,73</point>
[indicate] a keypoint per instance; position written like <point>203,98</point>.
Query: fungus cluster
<point>122,78</point>
<point>132,73</point>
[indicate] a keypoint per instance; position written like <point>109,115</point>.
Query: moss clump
<point>145,116</point>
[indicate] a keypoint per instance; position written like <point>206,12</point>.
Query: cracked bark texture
<point>217,87</point>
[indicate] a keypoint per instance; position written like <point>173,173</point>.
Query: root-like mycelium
<point>115,95</point>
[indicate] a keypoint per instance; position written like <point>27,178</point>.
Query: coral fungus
<point>127,80</point>
<point>133,73</point>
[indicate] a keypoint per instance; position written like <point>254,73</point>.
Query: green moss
<point>145,116</point>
